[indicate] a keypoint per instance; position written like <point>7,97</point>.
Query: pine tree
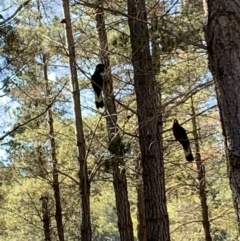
<point>116,145</point>
<point>157,222</point>
<point>222,34</point>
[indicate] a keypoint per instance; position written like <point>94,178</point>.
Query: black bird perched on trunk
<point>97,84</point>
<point>181,136</point>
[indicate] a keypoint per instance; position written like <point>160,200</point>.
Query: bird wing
<point>97,83</point>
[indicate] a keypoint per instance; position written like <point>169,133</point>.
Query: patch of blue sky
<point>6,121</point>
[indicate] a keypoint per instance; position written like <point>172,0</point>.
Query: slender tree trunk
<point>125,225</point>
<point>86,232</point>
<point>201,179</point>
<point>157,220</point>
<point>46,218</point>
<point>41,163</point>
<point>56,186</point>
<point>222,35</point>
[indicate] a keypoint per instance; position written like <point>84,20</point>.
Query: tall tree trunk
<point>46,218</point>
<point>157,220</point>
<point>125,225</point>
<point>201,178</point>
<point>56,186</point>
<point>86,232</point>
<point>222,35</point>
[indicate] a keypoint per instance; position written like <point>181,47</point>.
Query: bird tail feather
<point>99,100</point>
<point>188,154</point>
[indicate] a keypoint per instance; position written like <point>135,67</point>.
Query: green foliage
<point>116,145</point>
<point>183,73</point>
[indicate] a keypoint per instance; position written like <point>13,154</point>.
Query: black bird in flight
<point>181,136</point>
<point>97,84</point>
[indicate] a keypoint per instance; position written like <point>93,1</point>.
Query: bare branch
<point>15,13</point>
<point>35,117</point>
<point>116,12</point>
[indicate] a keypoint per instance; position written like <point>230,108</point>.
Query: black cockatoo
<point>97,84</point>
<point>181,136</point>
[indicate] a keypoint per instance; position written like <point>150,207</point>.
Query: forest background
<point>40,166</point>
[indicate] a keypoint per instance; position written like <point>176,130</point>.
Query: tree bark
<point>222,36</point>
<point>42,163</point>
<point>141,227</point>
<point>86,232</point>
<point>201,178</point>
<point>157,220</point>
<point>46,218</point>
<point>125,225</point>
<point>56,186</point>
